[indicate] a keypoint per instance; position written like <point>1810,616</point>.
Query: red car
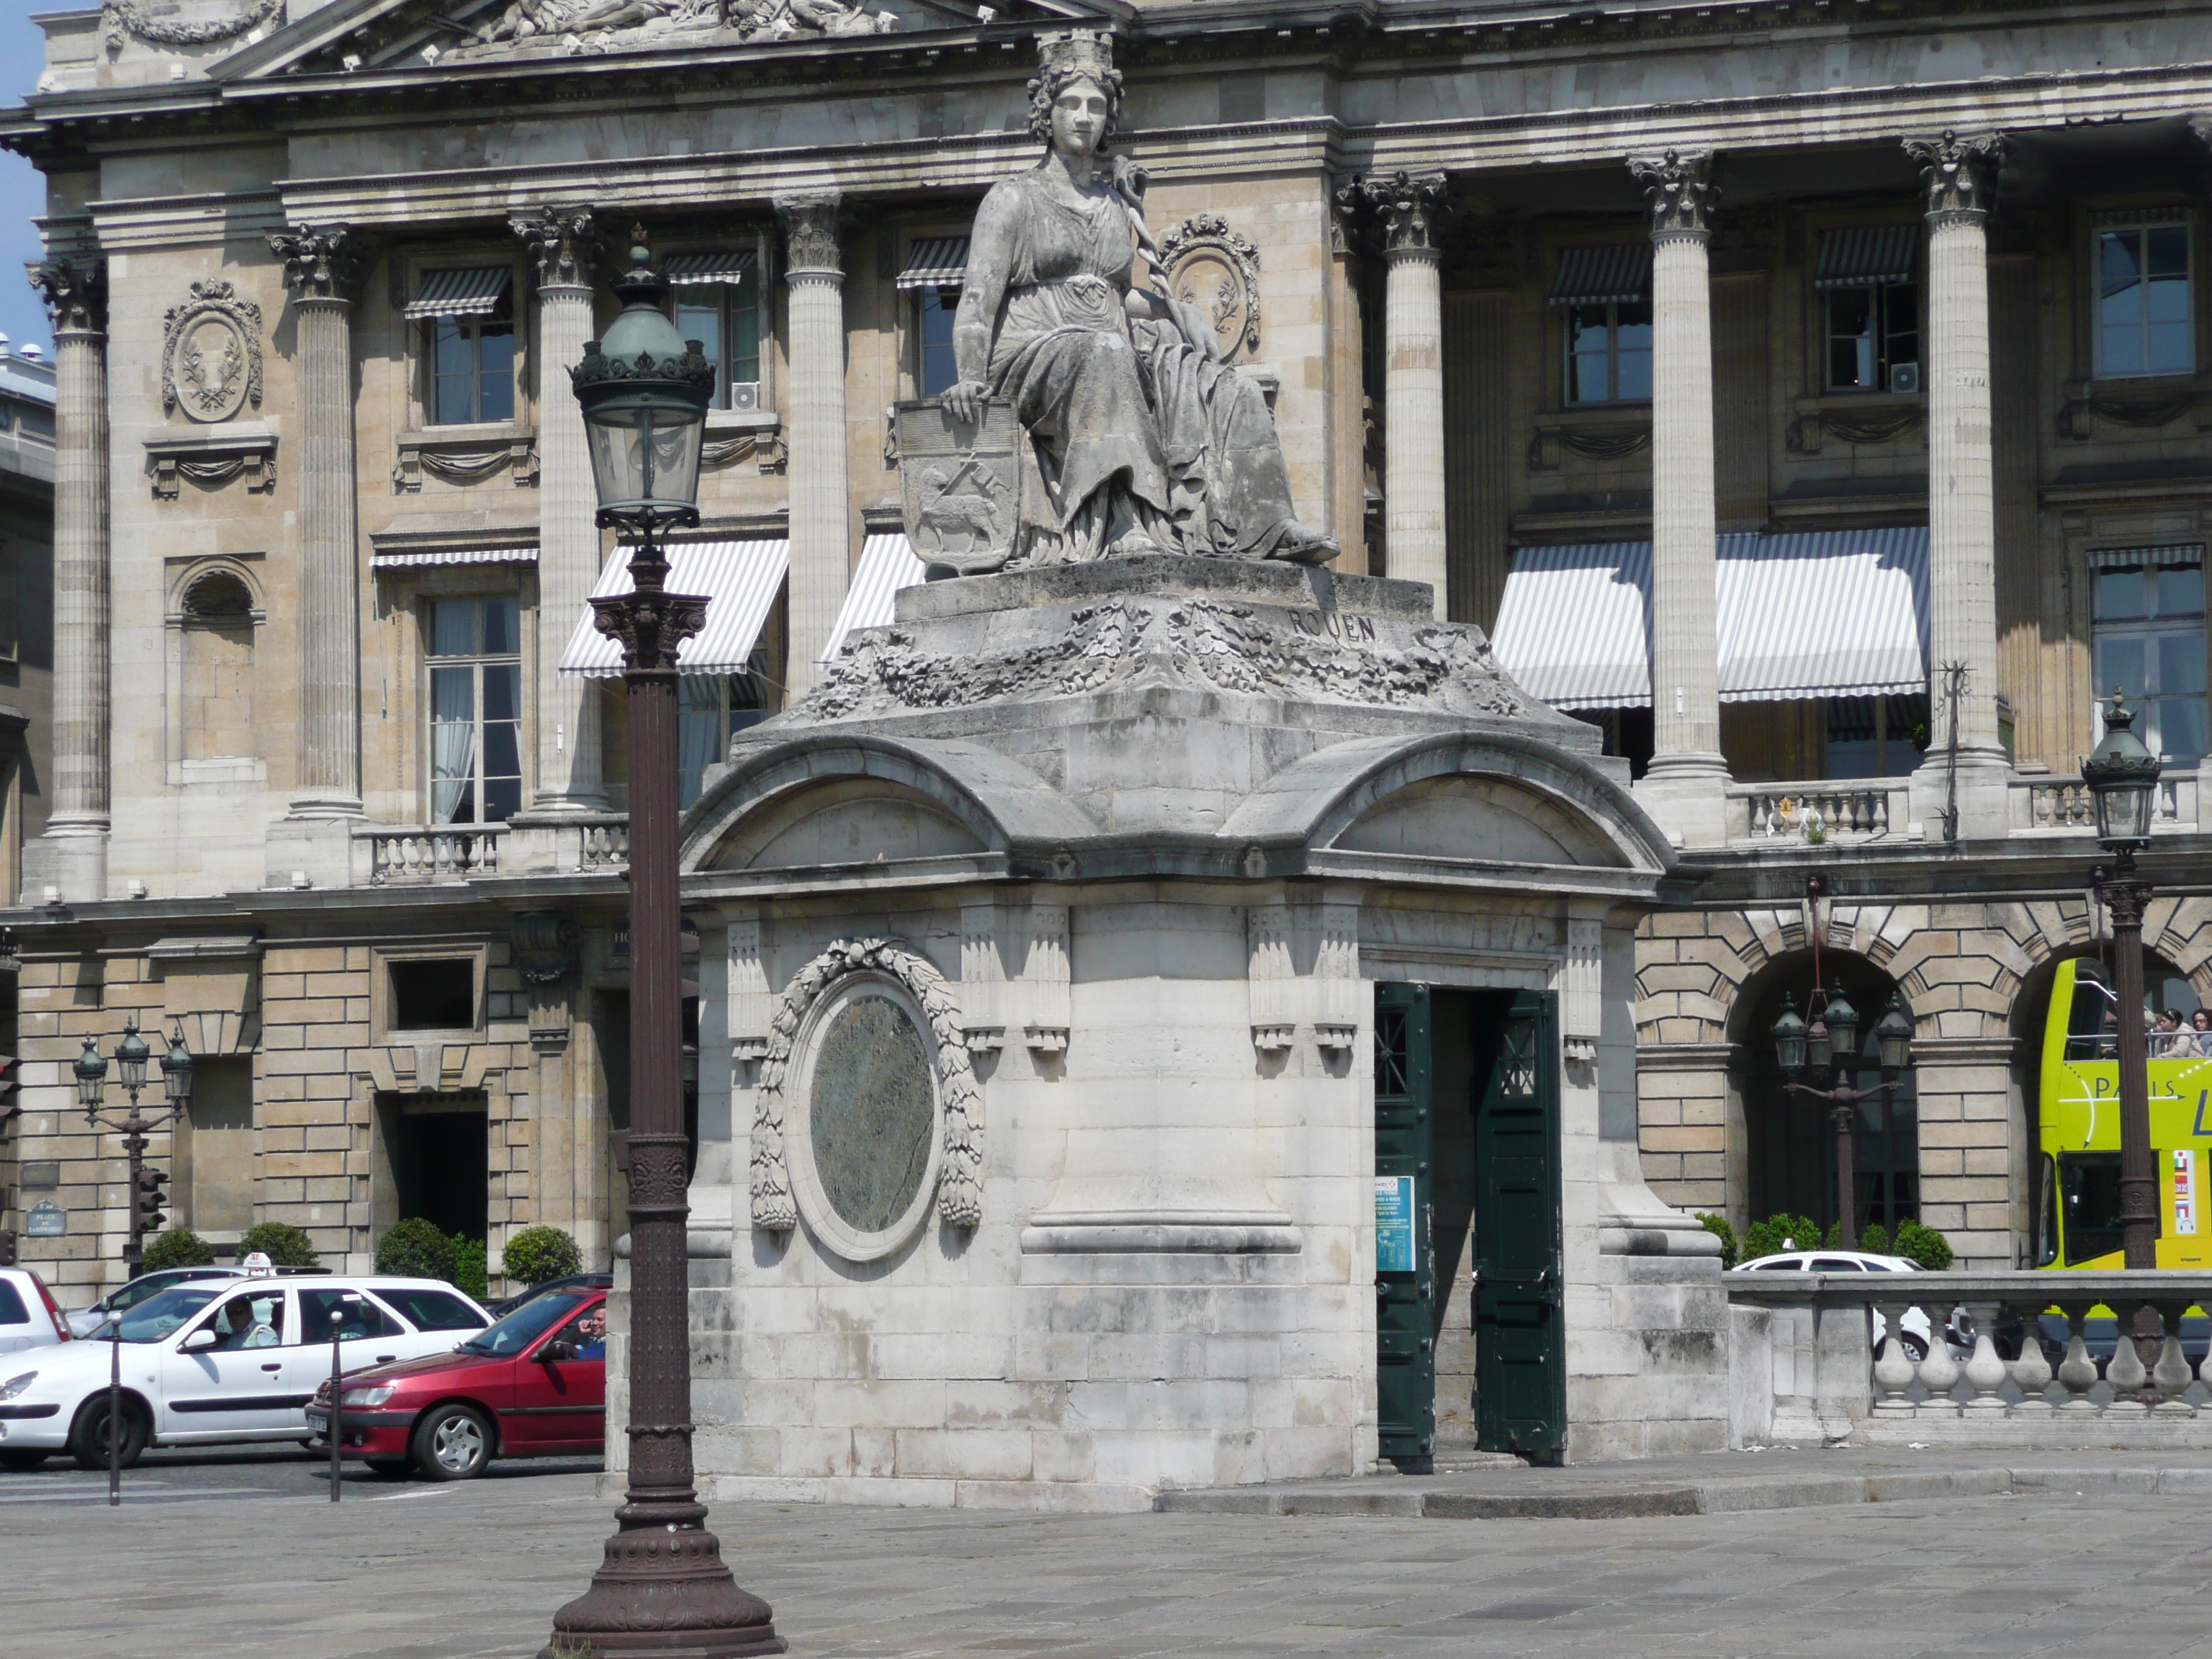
<point>533,1385</point>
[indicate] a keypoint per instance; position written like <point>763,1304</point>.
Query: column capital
<point>75,289</point>
<point>1957,173</point>
<point>321,262</point>
<point>810,232</point>
<point>1410,207</point>
<point>1679,186</point>
<point>565,241</point>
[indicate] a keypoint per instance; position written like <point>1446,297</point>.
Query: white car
<point>28,1316</point>
<point>1912,1332</point>
<point>83,1322</point>
<point>218,1361</point>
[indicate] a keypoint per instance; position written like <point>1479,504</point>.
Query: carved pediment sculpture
<point>211,354</point>
<point>571,26</point>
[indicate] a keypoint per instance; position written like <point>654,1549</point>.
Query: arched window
<point>216,711</point>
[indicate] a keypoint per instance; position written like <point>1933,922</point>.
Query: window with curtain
<point>1873,329</point>
<point>724,317</point>
<point>714,707</point>
<point>471,369</point>
<point>1609,352</point>
<point>2148,638</point>
<point>475,710</point>
<point>2145,322</point>
<point>933,310</point>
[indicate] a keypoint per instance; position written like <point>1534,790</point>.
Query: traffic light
<point>9,1106</point>
<point>147,1212</point>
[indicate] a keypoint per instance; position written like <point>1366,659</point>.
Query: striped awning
<point>1865,254</point>
<point>2159,558</point>
<point>887,564</point>
<point>1826,614</point>
<point>936,262</point>
<point>476,292</point>
<point>1617,274</point>
<point>740,580</point>
<point>454,556</point>
<point>731,266</point>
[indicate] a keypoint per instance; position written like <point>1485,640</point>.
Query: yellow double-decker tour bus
<point>2078,1184</point>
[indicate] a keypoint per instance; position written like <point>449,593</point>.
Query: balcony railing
<point>387,855</point>
<point>1856,810</point>
<point>2043,1361</point>
<point>2061,803</point>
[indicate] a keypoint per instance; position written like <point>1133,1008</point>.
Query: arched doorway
<point>1789,1145</point>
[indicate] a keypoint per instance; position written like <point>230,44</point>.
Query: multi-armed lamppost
<point>663,1589</point>
<point>2123,778</point>
<point>135,1125</point>
<point>1830,1046</point>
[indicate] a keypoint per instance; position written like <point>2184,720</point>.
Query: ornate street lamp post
<point>144,1188</point>
<point>663,1589</point>
<point>2123,777</point>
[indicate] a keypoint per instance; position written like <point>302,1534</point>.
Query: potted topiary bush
<point>469,1274</point>
<point>1718,1225</point>
<point>538,1254</point>
<point>285,1245</point>
<point>1923,1246</point>
<point>416,1249</point>
<point>180,1247</point>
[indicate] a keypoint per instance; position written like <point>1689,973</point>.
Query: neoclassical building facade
<point>1812,398</point>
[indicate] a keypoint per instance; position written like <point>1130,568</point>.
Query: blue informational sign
<point>1393,1224</point>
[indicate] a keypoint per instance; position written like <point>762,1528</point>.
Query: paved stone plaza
<point>404,1571</point>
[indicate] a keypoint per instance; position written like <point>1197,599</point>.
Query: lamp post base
<point>663,1590</point>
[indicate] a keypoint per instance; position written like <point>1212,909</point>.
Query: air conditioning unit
<point>1905,377</point>
<point>744,394</point>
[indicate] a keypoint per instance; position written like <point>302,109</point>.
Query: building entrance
<point>1470,1341</point>
<point>440,1159</point>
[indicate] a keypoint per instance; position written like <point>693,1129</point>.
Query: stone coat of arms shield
<point>960,484</point>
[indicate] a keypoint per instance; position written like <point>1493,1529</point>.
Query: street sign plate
<point>47,1219</point>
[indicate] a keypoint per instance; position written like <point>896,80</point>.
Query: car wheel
<point>22,1457</point>
<point>453,1443</point>
<point>88,1438</point>
<point>1915,1349</point>
<point>388,1466</point>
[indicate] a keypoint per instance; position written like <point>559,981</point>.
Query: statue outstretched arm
<point>990,260</point>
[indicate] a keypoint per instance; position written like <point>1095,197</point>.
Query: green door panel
<point>1519,1324</point>
<point>1405,1278</point>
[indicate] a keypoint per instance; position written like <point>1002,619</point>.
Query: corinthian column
<point>72,857</point>
<point>819,491</point>
<point>1410,209</point>
<point>564,242</point>
<point>320,264</point>
<point>1959,177</point>
<point>1683,789</point>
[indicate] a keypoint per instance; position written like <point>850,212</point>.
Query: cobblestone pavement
<point>412,1572</point>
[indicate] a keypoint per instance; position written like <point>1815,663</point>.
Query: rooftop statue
<point>1140,439</point>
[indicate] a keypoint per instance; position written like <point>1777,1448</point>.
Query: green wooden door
<point>1519,1329</point>
<point>1405,1264</point>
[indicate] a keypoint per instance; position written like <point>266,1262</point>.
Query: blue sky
<point>22,192</point>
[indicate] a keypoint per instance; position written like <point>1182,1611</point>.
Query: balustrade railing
<point>2061,803</point>
<point>605,846</point>
<point>2028,1359</point>
<point>446,853</point>
<point>1863,809</point>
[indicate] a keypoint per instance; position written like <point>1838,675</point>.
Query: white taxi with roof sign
<point>221,1360</point>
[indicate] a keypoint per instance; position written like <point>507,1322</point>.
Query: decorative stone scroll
<point>1211,267</point>
<point>211,354</point>
<point>1957,173</point>
<point>1680,189</point>
<point>960,1108</point>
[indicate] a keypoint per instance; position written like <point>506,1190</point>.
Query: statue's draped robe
<point>1116,403</point>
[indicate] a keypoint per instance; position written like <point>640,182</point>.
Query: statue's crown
<point>1085,51</point>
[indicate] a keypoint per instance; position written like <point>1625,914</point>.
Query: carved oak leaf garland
<point>123,17</point>
<point>960,1181</point>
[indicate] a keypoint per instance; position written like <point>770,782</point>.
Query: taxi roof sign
<point>257,1265</point>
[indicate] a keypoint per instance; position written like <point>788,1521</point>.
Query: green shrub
<point>468,1272</point>
<point>285,1245</point>
<point>1923,1246</point>
<point>1874,1239</point>
<point>1778,1233</point>
<point>180,1247</point>
<point>538,1254</point>
<point>1718,1225</point>
<point>416,1249</point>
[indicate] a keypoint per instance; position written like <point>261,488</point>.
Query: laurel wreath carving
<point>960,1180</point>
<point>121,17</point>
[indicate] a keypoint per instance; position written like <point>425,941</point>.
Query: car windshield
<point>160,1316</point>
<point>524,1326</point>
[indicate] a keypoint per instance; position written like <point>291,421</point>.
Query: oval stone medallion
<point>873,1112</point>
